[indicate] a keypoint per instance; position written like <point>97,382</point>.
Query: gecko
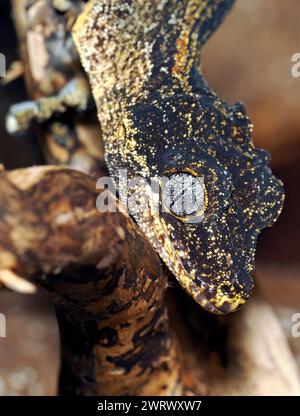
<point>160,118</point>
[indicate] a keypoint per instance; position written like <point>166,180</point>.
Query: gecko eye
<point>184,195</point>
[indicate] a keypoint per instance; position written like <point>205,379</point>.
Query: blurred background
<point>249,60</point>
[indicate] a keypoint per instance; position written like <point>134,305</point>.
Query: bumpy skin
<point>158,115</point>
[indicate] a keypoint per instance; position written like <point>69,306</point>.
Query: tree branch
<point>106,281</point>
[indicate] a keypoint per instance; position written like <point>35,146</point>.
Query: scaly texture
<point>159,117</point>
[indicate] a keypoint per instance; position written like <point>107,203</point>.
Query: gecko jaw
<point>155,229</point>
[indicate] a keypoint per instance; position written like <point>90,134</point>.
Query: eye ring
<point>184,194</point>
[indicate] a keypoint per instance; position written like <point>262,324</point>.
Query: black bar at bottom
<point>86,406</point>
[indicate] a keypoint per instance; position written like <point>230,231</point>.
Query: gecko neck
<point>130,48</point>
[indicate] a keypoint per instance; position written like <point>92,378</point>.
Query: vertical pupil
<point>184,194</point>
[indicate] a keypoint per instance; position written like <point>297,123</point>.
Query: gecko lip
<point>210,307</point>
<point>224,308</point>
<point>225,299</point>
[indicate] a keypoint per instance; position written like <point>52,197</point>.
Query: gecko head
<point>216,195</point>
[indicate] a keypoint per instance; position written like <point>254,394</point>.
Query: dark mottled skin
<point>158,115</point>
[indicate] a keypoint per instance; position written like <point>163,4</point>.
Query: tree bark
<point>106,281</point>
<point>51,63</point>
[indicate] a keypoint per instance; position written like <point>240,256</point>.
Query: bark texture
<point>106,281</point>
<point>51,64</point>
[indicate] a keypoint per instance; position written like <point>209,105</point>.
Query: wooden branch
<point>106,281</point>
<point>68,139</point>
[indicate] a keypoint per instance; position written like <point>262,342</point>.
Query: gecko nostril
<point>226,289</point>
